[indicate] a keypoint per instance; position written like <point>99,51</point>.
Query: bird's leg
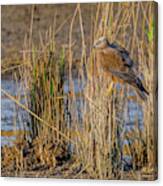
<point>110,88</point>
<point>121,90</point>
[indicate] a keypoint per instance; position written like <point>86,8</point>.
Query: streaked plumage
<point>116,61</point>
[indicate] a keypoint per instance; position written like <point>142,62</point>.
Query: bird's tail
<point>142,92</point>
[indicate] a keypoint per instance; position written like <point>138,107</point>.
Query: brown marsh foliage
<point>81,134</point>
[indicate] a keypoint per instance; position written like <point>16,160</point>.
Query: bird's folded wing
<point>119,48</point>
<point>126,76</point>
<point>123,53</point>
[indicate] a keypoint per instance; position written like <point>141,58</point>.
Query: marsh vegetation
<point>80,124</point>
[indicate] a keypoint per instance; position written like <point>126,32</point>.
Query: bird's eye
<point>123,59</point>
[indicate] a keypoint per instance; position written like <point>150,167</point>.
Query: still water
<point>14,118</point>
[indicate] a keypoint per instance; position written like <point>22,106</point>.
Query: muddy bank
<point>16,21</point>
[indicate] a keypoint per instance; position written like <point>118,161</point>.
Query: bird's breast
<point>110,60</point>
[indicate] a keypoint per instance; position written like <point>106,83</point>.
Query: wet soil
<point>16,21</point>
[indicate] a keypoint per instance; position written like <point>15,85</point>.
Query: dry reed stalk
<point>97,140</point>
<point>33,114</point>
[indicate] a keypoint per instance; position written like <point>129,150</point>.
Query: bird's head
<point>101,43</point>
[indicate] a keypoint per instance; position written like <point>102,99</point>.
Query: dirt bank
<point>16,20</point>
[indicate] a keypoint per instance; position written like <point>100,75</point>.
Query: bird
<point>116,62</point>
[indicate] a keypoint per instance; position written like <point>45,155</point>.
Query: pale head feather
<point>101,43</point>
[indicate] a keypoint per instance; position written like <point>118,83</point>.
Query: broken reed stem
<point>13,68</point>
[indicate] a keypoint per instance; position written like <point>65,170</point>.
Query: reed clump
<point>84,133</point>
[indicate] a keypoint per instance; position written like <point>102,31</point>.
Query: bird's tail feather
<point>133,80</point>
<point>142,92</point>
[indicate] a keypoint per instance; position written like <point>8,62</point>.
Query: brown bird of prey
<point>115,61</point>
